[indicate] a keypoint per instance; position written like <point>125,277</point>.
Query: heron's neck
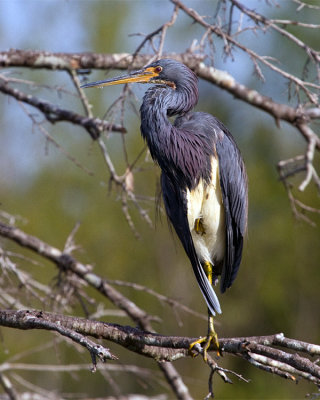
<point>159,103</point>
<point>164,140</point>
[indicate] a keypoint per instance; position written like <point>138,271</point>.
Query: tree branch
<point>260,19</point>
<point>305,86</point>
<point>66,262</point>
<point>124,61</point>
<point>53,113</point>
<point>259,351</point>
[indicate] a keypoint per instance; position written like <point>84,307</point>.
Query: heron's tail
<point>206,289</point>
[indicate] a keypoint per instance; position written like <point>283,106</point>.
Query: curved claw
<point>211,338</point>
<point>193,344</point>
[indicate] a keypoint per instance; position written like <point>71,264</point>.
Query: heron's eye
<point>158,69</point>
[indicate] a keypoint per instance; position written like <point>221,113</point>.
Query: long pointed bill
<point>142,76</point>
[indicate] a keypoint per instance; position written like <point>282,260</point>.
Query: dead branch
<point>260,351</point>
<point>273,24</point>
<point>8,387</point>
<point>66,262</point>
<point>53,113</point>
<point>230,41</point>
<point>123,61</point>
<point>161,31</point>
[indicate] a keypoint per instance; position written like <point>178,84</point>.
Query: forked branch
<point>270,353</point>
<point>276,353</point>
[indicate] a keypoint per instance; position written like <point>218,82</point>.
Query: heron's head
<point>165,72</point>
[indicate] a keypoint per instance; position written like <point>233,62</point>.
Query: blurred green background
<point>277,289</point>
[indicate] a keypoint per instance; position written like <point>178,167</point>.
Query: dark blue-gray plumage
<point>183,152</point>
<point>203,180</point>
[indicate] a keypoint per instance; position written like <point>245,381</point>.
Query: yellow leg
<point>207,266</point>
<point>211,337</point>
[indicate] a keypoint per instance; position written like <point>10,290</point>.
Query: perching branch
<point>66,263</point>
<point>262,352</point>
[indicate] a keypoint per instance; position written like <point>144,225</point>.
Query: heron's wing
<point>234,188</point>
<point>176,207</point>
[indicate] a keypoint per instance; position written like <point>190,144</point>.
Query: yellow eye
<point>158,69</point>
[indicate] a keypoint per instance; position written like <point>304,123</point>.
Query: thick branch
<point>258,350</point>
<point>277,110</point>
<point>124,61</point>
<point>65,261</point>
<point>150,344</point>
<point>38,320</point>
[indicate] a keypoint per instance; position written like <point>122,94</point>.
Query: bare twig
<point>304,85</point>
<point>171,302</point>
<point>54,114</point>
<point>162,30</point>
<point>269,23</point>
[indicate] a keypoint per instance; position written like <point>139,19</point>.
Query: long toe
<point>211,340</point>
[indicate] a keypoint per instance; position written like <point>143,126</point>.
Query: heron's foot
<point>210,340</point>
<point>198,226</point>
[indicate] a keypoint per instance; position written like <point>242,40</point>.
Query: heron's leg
<point>211,337</point>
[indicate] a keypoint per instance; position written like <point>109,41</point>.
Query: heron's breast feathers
<point>206,217</point>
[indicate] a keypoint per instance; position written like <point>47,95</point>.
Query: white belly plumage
<point>205,203</point>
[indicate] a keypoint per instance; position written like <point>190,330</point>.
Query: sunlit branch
<point>124,61</point>
<point>229,40</point>
<point>150,344</point>
<point>8,387</point>
<point>302,4</point>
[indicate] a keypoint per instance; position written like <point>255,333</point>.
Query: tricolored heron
<point>203,179</point>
